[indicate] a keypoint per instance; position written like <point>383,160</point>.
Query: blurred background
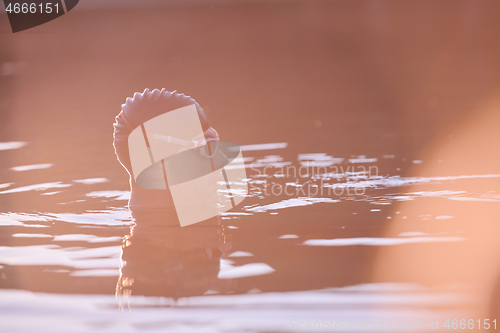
<point>411,87</point>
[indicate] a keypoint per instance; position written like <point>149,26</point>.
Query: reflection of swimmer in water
<point>170,261</point>
<point>159,257</point>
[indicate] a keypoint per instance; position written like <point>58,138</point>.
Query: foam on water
<point>117,195</point>
<point>36,187</point>
<point>227,271</point>
<point>257,312</point>
<point>111,217</point>
<point>51,254</point>
<point>12,145</point>
<point>17,219</point>
<point>379,241</point>
<point>32,167</point>
<point>91,181</point>
<point>264,146</point>
<point>295,202</point>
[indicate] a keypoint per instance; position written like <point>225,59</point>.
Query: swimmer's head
<point>149,104</point>
<point>136,111</point>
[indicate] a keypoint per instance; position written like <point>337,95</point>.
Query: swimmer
<point>136,111</point>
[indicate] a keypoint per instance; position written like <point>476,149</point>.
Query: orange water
<point>369,135</point>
